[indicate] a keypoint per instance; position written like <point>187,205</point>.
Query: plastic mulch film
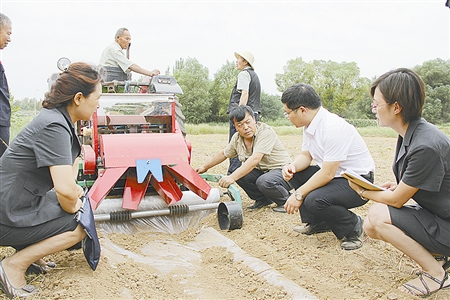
<point>158,217</point>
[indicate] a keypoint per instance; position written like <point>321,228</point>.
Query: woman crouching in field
<point>422,171</point>
<point>39,196</point>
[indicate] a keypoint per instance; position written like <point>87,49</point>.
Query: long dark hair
<point>78,77</point>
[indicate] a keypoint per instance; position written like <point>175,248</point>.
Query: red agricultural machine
<point>133,146</point>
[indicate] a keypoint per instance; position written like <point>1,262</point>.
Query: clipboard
<point>361,181</point>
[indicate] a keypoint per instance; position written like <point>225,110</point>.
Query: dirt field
<point>265,259</point>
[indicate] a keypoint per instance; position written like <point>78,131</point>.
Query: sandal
<point>412,288</point>
<point>12,292</point>
<point>446,265</point>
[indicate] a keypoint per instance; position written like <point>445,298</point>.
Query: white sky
<point>377,35</point>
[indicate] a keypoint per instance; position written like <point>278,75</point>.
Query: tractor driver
<point>258,148</point>
<point>116,63</point>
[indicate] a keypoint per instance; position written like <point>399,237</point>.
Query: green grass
<point>281,127</point>
<point>377,131</point>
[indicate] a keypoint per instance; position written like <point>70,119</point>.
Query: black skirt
<point>424,227</point>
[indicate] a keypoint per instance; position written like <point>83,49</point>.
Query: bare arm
<point>67,191</point>
<point>244,98</point>
<point>300,163</point>
<point>319,179</point>
<point>243,170</point>
<point>396,196</point>
<point>138,69</point>
<point>217,159</point>
<point>75,167</point>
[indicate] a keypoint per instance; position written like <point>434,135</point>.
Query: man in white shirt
<point>117,63</point>
<point>321,194</point>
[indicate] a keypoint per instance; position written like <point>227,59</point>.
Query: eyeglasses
<point>375,105</point>
<point>286,114</point>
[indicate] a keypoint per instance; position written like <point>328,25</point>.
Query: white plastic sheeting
<point>168,256</point>
<point>161,221</point>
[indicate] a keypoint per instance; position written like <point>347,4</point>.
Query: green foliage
<point>436,75</point>
<point>360,123</point>
<point>193,80</point>
<point>271,107</point>
<point>22,112</point>
<point>432,110</point>
<point>338,84</point>
<point>220,91</point>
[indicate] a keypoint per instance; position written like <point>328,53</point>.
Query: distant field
<point>281,128</point>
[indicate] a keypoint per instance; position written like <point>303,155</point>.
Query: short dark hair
<point>301,94</point>
<point>405,87</point>
<point>238,113</point>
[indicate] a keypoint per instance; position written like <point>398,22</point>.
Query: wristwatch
<point>298,196</point>
<point>361,195</point>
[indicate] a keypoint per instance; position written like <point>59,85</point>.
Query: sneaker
<point>309,228</point>
<point>354,240</point>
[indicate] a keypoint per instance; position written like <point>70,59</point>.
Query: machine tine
<point>134,191</point>
<point>187,176</point>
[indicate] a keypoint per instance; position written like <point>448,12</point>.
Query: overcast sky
<point>377,35</point>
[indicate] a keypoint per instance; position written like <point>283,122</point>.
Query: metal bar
<point>159,212</point>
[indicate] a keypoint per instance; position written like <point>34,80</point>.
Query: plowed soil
<point>265,259</point>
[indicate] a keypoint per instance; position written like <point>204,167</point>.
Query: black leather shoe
<point>258,204</point>
<point>354,240</point>
<point>309,228</point>
<point>279,208</point>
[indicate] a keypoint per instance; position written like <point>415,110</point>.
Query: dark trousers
<point>4,135</point>
<point>329,203</point>
<point>249,184</point>
<point>235,162</point>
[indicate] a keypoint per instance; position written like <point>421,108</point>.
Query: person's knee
<point>78,234</point>
<point>263,184</point>
<point>377,216</point>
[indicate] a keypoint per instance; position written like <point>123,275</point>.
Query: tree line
<point>340,85</point>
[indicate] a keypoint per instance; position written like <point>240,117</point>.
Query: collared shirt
<point>265,141</point>
<point>113,56</point>
<point>26,195</point>
<point>243,81</point>
<point>329,138</point>
<point>422,160</point>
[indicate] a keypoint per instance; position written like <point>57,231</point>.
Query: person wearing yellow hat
<point>246,91</point>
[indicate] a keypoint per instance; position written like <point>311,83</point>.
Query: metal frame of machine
<point>133,144</point>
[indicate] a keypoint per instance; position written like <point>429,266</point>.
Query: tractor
<point>133,146</point>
